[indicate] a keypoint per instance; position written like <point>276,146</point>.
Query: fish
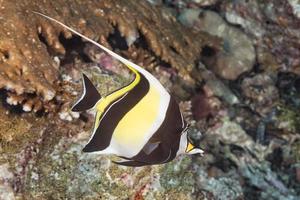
<point>140,123</point>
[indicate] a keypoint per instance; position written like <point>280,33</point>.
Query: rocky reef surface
<point>233,65</point>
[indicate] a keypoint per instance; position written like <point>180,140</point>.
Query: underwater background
<point>233,66</point>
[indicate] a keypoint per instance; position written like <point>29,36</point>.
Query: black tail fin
<point>89,97</point>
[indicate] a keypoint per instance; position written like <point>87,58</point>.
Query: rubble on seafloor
<point>234,69</point>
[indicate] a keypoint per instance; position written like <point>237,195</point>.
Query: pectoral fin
<point>150,147</point>
<point>89,97</point>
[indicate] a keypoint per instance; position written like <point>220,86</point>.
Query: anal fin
<point>131,163</point>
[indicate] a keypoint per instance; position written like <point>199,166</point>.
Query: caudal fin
<point>89,97</point>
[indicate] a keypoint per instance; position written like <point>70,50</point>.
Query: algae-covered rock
<point>6,189</point>
<point>50,163</point>
<point>225,187</point>
<point>238,54</point>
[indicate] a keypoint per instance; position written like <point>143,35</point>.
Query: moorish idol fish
<point>140,122</point>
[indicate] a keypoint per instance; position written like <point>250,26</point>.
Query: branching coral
<point>29,43</point>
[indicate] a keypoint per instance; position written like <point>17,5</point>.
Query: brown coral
<point>28,43</point>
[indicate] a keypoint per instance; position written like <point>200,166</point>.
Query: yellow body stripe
<point>106,101</point>
<point>132,128</point>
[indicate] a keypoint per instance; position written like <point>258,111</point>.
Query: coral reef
<point>6,191</point>
<point>43,159</point>
<point>234,70</point>
<point>275,27</point>
<point>237,55</point>
<point>261,88</point>
<point>32,49</point>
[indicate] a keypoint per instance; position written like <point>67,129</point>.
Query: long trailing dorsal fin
<point>132,66</point>
<point>89,97</point>
<point>128,63</point>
